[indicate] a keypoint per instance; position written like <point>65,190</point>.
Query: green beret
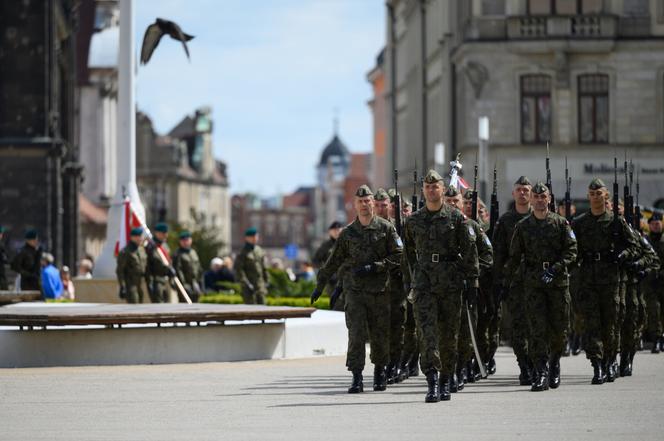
<point>162,227</point>
<point>523,180</point>
<point>31,234</point>
<point>251,231</point>
<point>363,191</point>
<point>138,231</point>
<point>185,234</point>
<point>391,193</point>
<point>432,177</point>
<point>540,188</point>
<point>655,217</point>
<point>451,192</point>
<point>468,194</point>
<point>596,184</point>
<point>381,195</point>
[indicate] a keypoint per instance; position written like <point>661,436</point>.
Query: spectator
<point>68,292</point>
<point>307,272</point>
<point>84,269</point>
<point>50,278</point>
<point>226,273</point>
<point>211,276</point>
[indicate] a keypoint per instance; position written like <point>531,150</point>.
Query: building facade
<point>585,75</point>
<point>381,177</point>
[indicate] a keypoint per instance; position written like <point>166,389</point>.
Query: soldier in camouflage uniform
<point>654,286</point>
<point>513,294</point>
<point>3,261</point>
<point>441,253</point>
<point>320,257</point>
<point>410,354</point>
<point>365,253</point>
<point>159,272</point>
<point>251,270</point>
<point>604,243</point>
<point>188,267</point>
<point>27,263</point>
<point>542,247</point>
<point>131,266</point>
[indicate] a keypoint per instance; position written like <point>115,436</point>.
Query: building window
<point>565,7</point>
<point>493,7</point>
<point>535,109</point>
<point>594,108</point>
<point>539,7</point>
<point>636,8</point>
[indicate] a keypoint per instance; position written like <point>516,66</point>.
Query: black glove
<point>172,273</point>
<point>369,268</point>
<point>335,295</point>
<point>548,275</point>
<point>122,292</point>
<point>315,295</point>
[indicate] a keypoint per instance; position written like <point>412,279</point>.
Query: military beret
<point>185,234</point>
<point>363,191</point>
<point>391,193</point>
<point>162,227</point>
<point>523,180</point>
<point>468,194</point>
<point>451,192</point>
<point>138,231</point>
<point>251,231</point>
<point>2,229</point>
<point>381,195</point>
<point>432,177</point>
<point>335,225</point>
<point>31,234</point>
<point>655,217</point>
<point>407,203</point>
<point>540,188</point>
<point>596,184</point>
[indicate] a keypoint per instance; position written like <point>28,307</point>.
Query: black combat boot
<point>445,388</point>
<point>491,366</point>
<point>380,379</point>
<point>625,364</point>
<point>541,380</point>
<point>630,363</point>
<point>414,367</point>
<point>461,378</point>
<point>433,394</point>
<point>470,372</point>
<point>476,369</point>
<point>403,371</point>
<point>656,349</point>
<point>598,372</point>
<point>524,376</point>
<point>576,344</point>
<point>357,385</point>
<point>614,367</point>
<point>608,370</point>
<point>554,372</point>
<point>391,373</point>
<point>568,347</point>
<point>454,383</point>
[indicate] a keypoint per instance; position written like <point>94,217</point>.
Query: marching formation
<point>424,282</point>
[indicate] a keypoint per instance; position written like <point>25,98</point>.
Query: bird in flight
<point>153,35</point>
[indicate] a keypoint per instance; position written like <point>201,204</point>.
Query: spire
<point>335,122</point>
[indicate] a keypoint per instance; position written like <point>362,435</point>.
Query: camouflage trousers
<point>411,346</point>
<point>655,303</point>
<point>516,305</point>
<point>367,318</point>
<point>254,297</point>
<point>599,305</point>
<point>465,343</point>
<point>159,290</point>
<point>397,319</point>
<point>547,309</point>
<point>630,331</point>
<point>489,313</point>
<point>438,315</point>
<point>134,293</point>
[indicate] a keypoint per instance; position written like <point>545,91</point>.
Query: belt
<point>537,263</point>
<point>599,256</point>
<point>436,258</point>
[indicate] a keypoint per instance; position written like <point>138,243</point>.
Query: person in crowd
<point>50,278</point>
<point>69,292</point>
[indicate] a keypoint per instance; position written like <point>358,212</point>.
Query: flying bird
<point>153,35</point>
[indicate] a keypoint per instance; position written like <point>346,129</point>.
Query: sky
<point>274,73</point>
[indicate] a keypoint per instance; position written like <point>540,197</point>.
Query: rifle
<point>397,204</point>
<point>627,208</point>
<point>637,208</point>
<point>473,205</point>
<point>568,189</point>
<point>549,185</point>
<point>421,204</point>
<point>615,226</point>
<point>413,198</point>
<point>495,210</point>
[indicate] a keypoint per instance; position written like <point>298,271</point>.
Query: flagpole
<point>126,147</point>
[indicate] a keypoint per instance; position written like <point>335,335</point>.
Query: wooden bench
<point>8,297</point>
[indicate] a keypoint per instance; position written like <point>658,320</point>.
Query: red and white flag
<point>129,221</point>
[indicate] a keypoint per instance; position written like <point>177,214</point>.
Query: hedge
<point>236,299</point>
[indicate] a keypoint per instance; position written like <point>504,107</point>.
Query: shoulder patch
<point>399,242</point>
<point>571,234</point>
<point>471,231</point>
<point>486,240</point>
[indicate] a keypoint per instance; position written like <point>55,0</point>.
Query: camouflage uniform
<point>251,270</point>
<point>442,255</point>
<point>600,241</point>
<point>654,292</point>
<point>27,263</point>
<point>158,272</point>
<point>320,257</point>
<point>188,269</point>
<point>130,270</point>
<point>367,304</point>
<point>542,247</point>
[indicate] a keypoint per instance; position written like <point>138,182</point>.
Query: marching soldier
<point>410,354</point>
<point>131,267</point>
<point>545,242</point>
<point>159,271</point>
<point>322,254</point>
<point>27,263</point>
<point>251,270</point>
<point>513,294</point>
<point>604,244</point>
<point>188,267</point>
<point>654,286</point>
<point>442,256</point>
<point>365,253</point>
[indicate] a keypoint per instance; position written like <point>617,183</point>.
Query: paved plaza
<point>306,399</point>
